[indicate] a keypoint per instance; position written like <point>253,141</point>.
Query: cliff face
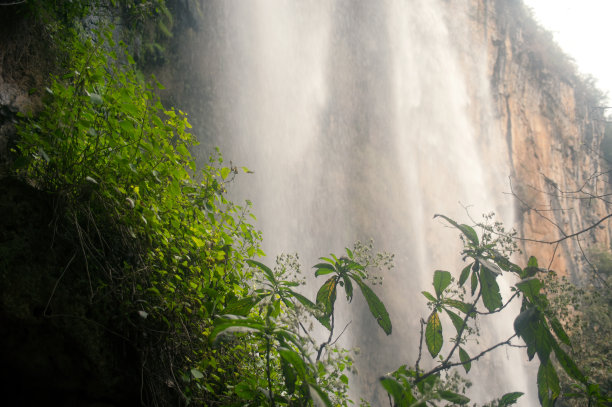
<point>553,128</point>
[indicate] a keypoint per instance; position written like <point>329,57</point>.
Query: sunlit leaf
<point>326,296</point>
<point>433,334</point>
<point>196,373</point>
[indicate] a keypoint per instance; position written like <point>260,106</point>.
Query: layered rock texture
<point>553,123</point>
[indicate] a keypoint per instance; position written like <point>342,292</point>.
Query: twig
<point>57,283</point>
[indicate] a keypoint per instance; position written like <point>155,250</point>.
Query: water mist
<point>362,119</point>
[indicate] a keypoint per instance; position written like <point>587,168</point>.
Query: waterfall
<point>362,119</point>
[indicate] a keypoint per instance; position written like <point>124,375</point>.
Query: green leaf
<point>559,331</point>
<point>525,326</point>
<point>294,359</point>
<point>289,375</point>
<point>268,273</point>
<point>322,395</point>
<point>491,297</point>
<point>242,306</point>
<point>429,296</point>
<point>456,320</point>
<point>326,296</point>
<point>323,268</point>
<point>433,334</point>
<point>492,267</point>
<point>229,326</point>
<point>244,391</point>
<point>509,399</point>
<point>441,280</point>
<point>377,308</point>
<point>548,384</point>
<point>305,301</point>
<point>401,395</point>
<point>568,364</point>
<point>453,397</point>
<point>196,373</point>
<point>460,305</point>
<point>530,287</point>
<point>474,282</point>
<point>465,273</point>
<point>348,288</point>
<point>465,229</point>
<point>225,171</point>
<point>465,359</point>
<point>95,99</point>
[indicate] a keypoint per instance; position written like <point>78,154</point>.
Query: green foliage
<point>157,236</point>
<point>346,272</point>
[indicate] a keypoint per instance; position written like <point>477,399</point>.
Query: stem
<point>271,392</point>
<point>331,334</point>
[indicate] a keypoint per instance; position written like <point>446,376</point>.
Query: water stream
<point>361,119</point>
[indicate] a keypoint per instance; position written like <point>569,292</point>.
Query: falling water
<point>361,119</point>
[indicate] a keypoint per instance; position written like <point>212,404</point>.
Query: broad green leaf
<point>289,375</point>
<point>474,282</point>
<point>323,397</point>
<point>509,399</point>
<point>433,334</point>
<point>465,229</point>
<point>242,306</point>
<point>429,296</point>
<point>349,253</point>
<point>348,288</point>
<point>548,384</point>
<point>441,280</point>
<point>453,397</point>
<point>530,287</point>
<point>531,269</point>
<point>196,373</point>
<point>269,274</point>
<point>465,359</point>
<point>568,364</point>
<point>225,171</point>
<point>244,391</point>
<point>377,308</point>
<point>95,99</point>
<point>456,320</point>
<point>229,326</point>
<point>326,296</point>
<point>460,305</point>
<point>465,273</point>
<point>294,359</point>
<point>323,268</point>
<point>491,297</point>
<point>305,301</point>
<point>401,395</point>
<point>492,267</point>
<point>559,331</point>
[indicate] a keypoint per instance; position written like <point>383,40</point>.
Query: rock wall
<point>553,126</point>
